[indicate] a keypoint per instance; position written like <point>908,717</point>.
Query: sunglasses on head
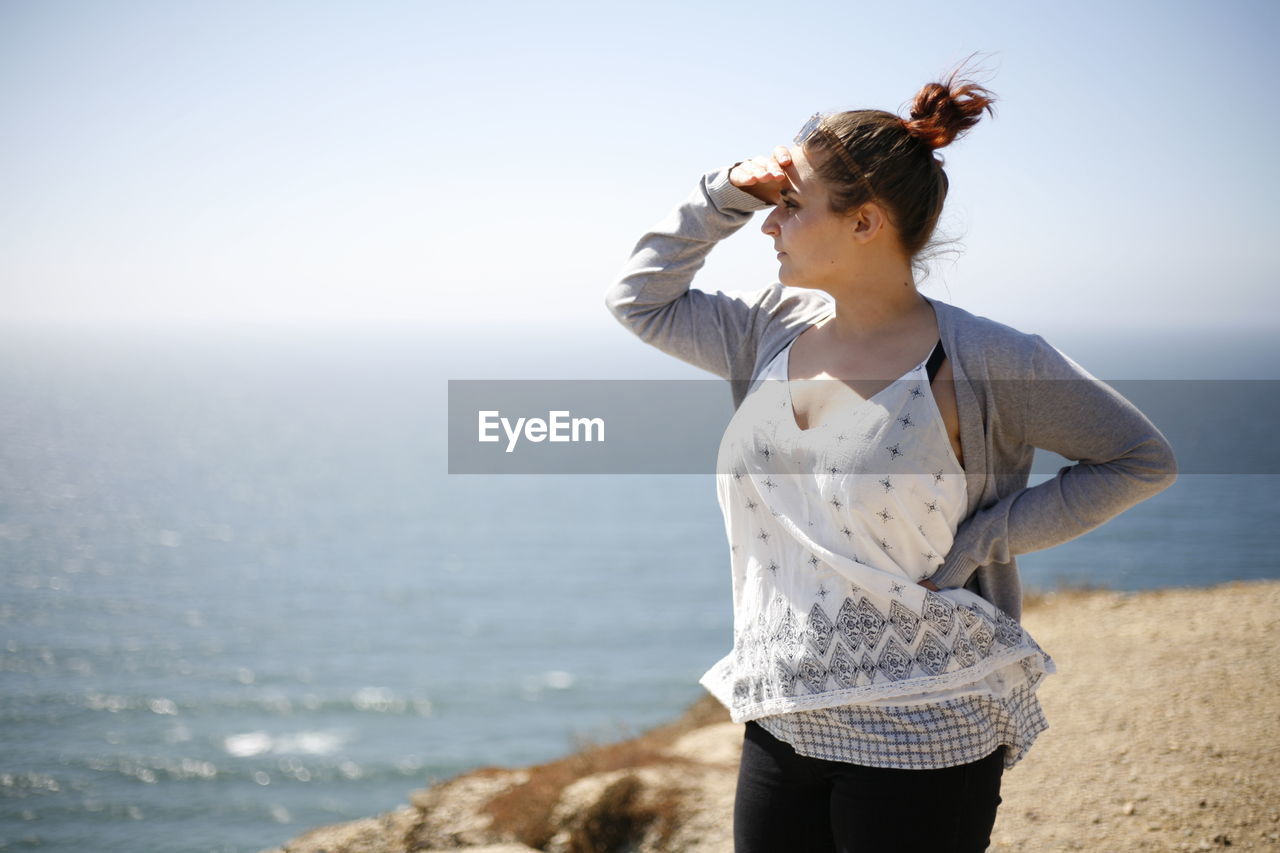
<point>816,126</point>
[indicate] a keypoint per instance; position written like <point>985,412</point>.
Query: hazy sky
<point>493,163</point>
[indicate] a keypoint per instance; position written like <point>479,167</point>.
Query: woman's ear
<point>868,221</point>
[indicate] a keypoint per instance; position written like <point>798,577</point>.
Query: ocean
<point>243,597</point>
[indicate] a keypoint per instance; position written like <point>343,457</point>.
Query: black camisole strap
<point>935,360</point>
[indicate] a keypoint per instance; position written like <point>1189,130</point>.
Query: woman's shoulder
<point>779,313</point>
<point>978,326</point>
<point>985,347</point>
<point>786,304</point>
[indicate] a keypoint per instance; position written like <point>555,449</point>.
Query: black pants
<point>790,803</point>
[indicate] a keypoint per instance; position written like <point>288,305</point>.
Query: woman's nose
<point>770,225</point>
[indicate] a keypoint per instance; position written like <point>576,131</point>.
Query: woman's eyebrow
<point>786,191</point>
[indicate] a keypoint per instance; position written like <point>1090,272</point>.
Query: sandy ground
<point>1164,723</point>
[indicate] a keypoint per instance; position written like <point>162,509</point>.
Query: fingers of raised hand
<point>782,154</point>
<point>757,170</point>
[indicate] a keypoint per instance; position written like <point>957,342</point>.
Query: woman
<point>873,522</point>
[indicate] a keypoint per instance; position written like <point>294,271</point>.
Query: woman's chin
<point>788,279</point>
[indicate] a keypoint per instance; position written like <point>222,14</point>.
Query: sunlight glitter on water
<point>249,744</point>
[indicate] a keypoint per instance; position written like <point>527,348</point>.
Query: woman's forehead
<point>800,172</point>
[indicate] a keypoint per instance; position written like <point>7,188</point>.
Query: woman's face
<point>815,246</point>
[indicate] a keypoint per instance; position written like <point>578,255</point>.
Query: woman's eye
<point>789,204</point>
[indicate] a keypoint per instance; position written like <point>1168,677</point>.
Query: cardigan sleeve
<point>652,295</point>
<point>1121,459</point>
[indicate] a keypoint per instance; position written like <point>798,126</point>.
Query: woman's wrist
<point>726,196</point>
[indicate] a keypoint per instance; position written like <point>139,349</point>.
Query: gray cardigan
<point>1014,392</point>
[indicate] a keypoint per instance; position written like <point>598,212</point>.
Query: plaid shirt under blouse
<point>915,737</point>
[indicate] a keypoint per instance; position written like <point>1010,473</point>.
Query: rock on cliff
<point>668,789</point>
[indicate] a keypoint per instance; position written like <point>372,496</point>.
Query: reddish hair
<point>898,167</point>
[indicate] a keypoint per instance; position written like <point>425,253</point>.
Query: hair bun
<point>943,111</point>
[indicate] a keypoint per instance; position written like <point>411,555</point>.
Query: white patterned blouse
<point>837,650</point>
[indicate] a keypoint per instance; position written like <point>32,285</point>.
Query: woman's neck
<point>870,309</point>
